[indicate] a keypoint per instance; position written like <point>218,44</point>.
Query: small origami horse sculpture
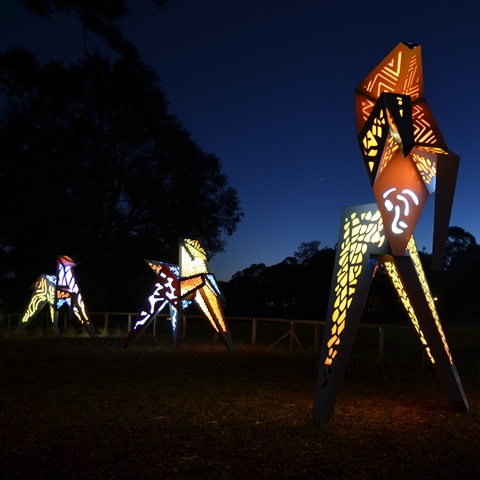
<point>57,291</point>
<point>179,286</point>
<point>406,160</point>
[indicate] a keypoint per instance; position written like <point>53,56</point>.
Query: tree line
<point>93,165</point>
<point>299,286</point>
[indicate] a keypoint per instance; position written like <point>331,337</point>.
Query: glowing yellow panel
<point>394,275</point>
<point>359,231</point>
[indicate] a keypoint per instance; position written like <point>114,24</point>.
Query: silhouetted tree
<point>458,292</point>
<point>92,165</point>
<point>299,286</point>
<point>289,289</point>
<point>306,251</point>
<point>460,245</point>
<point>98,17</point>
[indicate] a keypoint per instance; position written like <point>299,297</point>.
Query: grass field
<point>78,408</point>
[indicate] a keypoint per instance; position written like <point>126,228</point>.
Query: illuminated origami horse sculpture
<point>406,159</point>
<point>179,286</point>
<point>57,291</point>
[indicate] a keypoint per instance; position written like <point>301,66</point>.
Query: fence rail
<point>302,334</point>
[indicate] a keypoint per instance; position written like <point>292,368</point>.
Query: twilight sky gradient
<point>268,85</point>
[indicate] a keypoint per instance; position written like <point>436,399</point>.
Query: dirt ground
<point>78,408</point>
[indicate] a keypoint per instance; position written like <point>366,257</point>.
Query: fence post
<point>254,331</point>
<point>105,328</point>
<point>381,344</point>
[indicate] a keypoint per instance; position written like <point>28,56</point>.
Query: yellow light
<point>412,248</point>
<point>394,275</point>
<point>426,165</point>
<point>358,232</point>
<point>44,292</point>
<point>189,284</point>
<point>203,306</point>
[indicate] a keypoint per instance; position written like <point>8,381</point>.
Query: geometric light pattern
<point>361,231</point>
<point>180,286</point>
<point>397,132</point>
<point>43,294</point>
<point>165,291</point>
<point>57,291</point>
<point>406,160</point>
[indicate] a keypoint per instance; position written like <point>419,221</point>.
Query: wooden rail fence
<point>119,323</point>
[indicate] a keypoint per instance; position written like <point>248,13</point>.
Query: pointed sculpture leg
<point>43,294</point>
<point>408,278</point>
<point>67,284</point>
<point>360,241</point>
<point>207,299</point>
<point>165,291</point>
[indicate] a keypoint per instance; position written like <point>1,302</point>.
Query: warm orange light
<point>188,285</point>
<point>401,195</point>
<point>392,271</point>
<point>412,249</point>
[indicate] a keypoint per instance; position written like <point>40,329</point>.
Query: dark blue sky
<point>268,87</point>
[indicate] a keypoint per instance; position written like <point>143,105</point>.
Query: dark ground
<point>77,408</point>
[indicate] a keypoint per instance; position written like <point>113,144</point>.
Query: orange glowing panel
<point>425,129</point>
<point>401,196</point>
<point>190,284</point>
<point>399,72</point>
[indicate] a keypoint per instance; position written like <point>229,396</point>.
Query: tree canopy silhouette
<point>299,286</point>
<point>92,165</point>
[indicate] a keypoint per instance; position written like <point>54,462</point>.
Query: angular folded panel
<point>447,171</point>
<point>425,129</point>
<point>401,196</point>
<point>165,291</point>
<point>399,72</point>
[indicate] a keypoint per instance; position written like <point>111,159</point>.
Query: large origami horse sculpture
<point>406,160</point>
<point>57,291</point>
<point>179,286</point>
